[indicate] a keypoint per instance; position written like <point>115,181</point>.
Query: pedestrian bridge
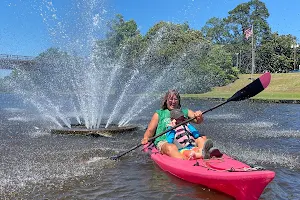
<point>16,61</point>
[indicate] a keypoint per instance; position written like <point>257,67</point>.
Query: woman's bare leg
<point>200,142</point>
<point>171,150</point>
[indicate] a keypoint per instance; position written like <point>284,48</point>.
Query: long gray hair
<point>165,99</point>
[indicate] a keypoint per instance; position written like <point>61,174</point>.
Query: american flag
<point>248,32</point>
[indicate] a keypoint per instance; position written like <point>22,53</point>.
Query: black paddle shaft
<point>153,138</point>
<point>248,91</point>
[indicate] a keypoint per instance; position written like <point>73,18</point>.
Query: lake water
<point>38,165</point>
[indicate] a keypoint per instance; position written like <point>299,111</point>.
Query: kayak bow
<point>224,174</point>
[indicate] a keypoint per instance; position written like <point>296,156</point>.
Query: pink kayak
<point>223,174</point>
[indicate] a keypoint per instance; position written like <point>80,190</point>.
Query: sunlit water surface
<point>38,165</point>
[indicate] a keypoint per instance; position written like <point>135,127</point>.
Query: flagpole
<point>253,53</point>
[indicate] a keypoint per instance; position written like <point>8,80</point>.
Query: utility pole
<point>240,58</point>
<point>237,60</point>
<point>295,46</point>
<point>253,54</point>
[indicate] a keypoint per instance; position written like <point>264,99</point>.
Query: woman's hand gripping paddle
<point>248,91</point>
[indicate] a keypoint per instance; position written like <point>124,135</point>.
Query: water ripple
<point>254,156</point>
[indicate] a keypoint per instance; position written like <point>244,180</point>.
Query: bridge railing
<point>15,57</point>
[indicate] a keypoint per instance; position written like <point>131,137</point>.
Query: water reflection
<point>38,165</point>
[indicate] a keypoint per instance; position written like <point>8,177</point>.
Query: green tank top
<point>163,121</point>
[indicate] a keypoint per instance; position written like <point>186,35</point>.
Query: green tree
<point>275,53</point>
<point>120,31</point>
<point>168,40</point>
<point>247,14</point>
<point>218,31</point>
<point>229,31</point>
<point>51,55</point>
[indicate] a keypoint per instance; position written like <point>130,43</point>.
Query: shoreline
<point>287,101</point>
<point>283,88</point>
<point>199,96</point>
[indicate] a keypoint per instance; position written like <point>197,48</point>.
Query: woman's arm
<point>198,116</point>
<point>151,129</point>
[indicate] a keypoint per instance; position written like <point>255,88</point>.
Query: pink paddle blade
<point>253,88</point>
<point>265,79</point>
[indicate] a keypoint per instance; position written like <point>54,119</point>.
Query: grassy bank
<point>282,87</point>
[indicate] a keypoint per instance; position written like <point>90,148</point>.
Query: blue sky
<point>23,31</point>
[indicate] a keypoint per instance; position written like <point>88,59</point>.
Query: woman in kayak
<point>160,121</point>
<point>184,138</point>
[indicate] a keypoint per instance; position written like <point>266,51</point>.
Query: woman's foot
<point>208,144</point>
<point>215,152</point>
<point>192,156</point>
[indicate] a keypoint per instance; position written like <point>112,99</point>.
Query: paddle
<point>248,91</point>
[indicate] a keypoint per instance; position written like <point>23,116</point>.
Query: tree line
<point>205,58</point>
<point>273,51</point>
<point>222,51</point>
